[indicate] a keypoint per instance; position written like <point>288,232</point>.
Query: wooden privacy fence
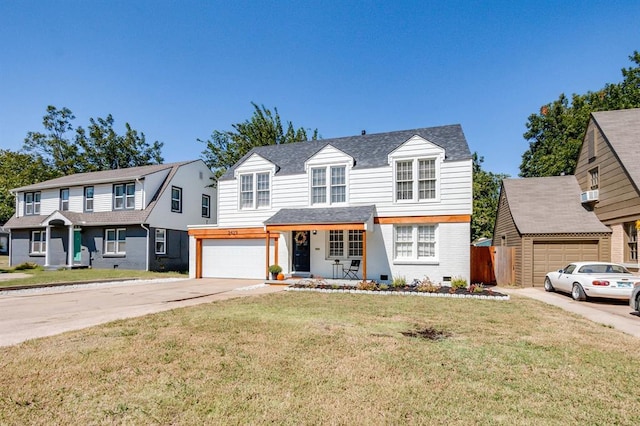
<point>493,265</point>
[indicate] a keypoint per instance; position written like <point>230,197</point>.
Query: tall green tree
<point>555,134</point>
<point>486,192</point>
<point>71,150</point>
<point>225,148</point>
<point>16,170</point>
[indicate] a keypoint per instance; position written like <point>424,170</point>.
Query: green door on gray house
<point>77,246</point>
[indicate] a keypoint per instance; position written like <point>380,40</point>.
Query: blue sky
<point>177,70</point>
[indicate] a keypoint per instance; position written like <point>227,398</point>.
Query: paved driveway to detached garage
<point>28,314</point>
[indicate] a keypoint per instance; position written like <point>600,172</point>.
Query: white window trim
<point>327,184</point>
<point>33,204</point>
<point>125,197</point>
<point>64,204</point>
<point>345,245</point>
<point>254,190</point>
<point>87,199</point>
<point>117,250</point>
<point>415,161</point>
<point>42,244</point>
<point>414,259</point>
<point>162,239</point>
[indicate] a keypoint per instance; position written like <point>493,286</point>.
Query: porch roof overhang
<point>324,218</point>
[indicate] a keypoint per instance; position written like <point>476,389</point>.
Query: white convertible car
<point>592,279</point>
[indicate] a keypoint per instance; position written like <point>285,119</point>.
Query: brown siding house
<point>609,167</point>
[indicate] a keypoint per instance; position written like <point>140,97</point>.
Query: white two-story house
<point>133,218</point>
<point>398,204</point>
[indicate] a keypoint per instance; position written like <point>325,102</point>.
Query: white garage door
<point>549,256</point>
<point>234,258</point>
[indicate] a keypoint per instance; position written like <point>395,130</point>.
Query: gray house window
<point>176,199</point>
<point>38,242</point>
<point>31,203</point>
<point>115,241</point>
<point>64,199</point>
<point>88,199</point>
<point>161,241</point>
<point>206,206</point>
<point>124,196</point>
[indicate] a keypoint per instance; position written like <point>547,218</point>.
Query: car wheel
<point>577,292</point>
<point>638,302</point>
<point>547,285</point>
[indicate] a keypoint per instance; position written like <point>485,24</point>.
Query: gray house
<point>134,218</point>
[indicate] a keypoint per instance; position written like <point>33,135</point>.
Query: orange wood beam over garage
<point>229,234</point>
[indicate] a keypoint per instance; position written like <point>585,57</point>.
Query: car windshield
<point>603,269</point>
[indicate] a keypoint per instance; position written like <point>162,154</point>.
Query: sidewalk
<point>630,325</point>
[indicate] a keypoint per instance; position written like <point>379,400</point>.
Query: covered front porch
<point>330,243</point>
<point>56,226</point>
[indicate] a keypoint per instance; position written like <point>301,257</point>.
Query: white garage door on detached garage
<point>234,258</point>
<point>551,256</point>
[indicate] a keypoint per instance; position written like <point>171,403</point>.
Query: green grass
<point>39,276</point>
<point>312,358</point>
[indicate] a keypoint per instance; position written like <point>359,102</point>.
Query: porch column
<point>364,255</point>
<point>267,256</point>
<point>198,257</point>
<point>70,247</point>
<point>47,237</point>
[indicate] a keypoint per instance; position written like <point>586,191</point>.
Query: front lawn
<point>39,276</point>
<point>315,358</point>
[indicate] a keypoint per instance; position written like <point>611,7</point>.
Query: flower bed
<point>472,292</point>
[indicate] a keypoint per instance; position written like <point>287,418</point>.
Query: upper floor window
<point>415,242</point>
<point>206,206</point>
<point>255,190</point>
<point>64,199</point>
<point>88,198</point>
<point>329,183</point>
<point>345,244</point>
<point>593,178</point>
<point>415,180</point>
<point>176,199</point>
<point>124,196</point>
<point>38,242</point>
<point>115,241</point>
<point>32,203</point>
<point>161,241</point>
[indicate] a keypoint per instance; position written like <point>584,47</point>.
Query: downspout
<point>148,248</point>
<point>144,206</point>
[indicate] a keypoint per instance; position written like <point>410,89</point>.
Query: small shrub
<point>458,282</point>
<point>476,288</point>
<point>399,282</point>
<point>427,286</point>
<point>27,265</point>
<point>383,287</point>
<point>367,285</point>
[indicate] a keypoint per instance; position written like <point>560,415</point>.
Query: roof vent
<point>364,132</point>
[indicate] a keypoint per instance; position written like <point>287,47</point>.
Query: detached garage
<point>544,220</point>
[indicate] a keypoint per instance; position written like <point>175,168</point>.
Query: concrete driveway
<point>28,314</point>
<point>614,313</point>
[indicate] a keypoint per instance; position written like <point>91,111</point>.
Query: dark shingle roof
<point>549,205</point>
<point>370,150</point>
<point>622,130</point>
<point>105,176</point>
<point>360,214</point>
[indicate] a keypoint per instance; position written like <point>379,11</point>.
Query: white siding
<point>194,179</point>
<point>76,199</point>
<point>151,185</point>
<point>328,155</point>
<point>255,163</point>
<point>103,198</point>
<point>49,201</point>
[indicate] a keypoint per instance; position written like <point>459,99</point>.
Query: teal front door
<point>77,246</point>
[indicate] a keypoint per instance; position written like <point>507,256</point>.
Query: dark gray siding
<point>177,252</point>
<point>20,240</point>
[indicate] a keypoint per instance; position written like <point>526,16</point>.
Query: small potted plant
<point>275,270</point>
